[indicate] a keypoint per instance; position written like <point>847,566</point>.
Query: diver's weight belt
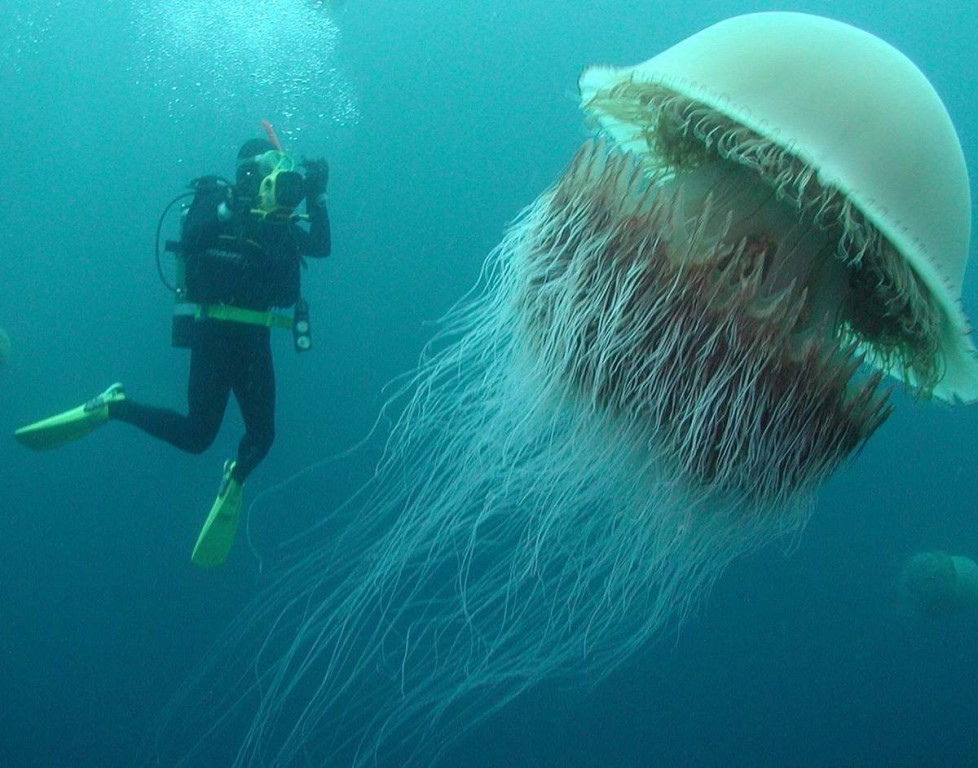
<point>229,313</point>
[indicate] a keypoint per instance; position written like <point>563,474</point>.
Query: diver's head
<point>267,179</point>
<point>250,171</point>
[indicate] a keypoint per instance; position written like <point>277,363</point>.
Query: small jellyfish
<point>937,584</point>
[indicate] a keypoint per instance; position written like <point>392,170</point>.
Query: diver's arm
<point>318,242</point>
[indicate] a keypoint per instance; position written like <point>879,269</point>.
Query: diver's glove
<point>317,177</point>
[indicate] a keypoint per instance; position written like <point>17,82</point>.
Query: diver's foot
<point>216,537</point>
<point>71,425</point>
<point>100,403</point>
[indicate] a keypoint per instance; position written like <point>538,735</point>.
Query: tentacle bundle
<point>678,341</point>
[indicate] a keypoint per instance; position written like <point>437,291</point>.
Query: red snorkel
<point>270,132</point>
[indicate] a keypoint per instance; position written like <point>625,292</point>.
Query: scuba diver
<point>238,260</point>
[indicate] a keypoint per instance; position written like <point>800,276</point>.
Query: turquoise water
<point>440,121</point>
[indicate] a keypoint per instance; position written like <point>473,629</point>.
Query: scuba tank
<point>184,311</point>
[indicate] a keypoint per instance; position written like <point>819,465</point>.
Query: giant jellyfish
<point>669,351</point>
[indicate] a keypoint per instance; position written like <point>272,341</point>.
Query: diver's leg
<point>254,389</point>
<point>253,382</point>
<point>207,396</point>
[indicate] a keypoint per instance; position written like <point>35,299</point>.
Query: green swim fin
<point>217,535</point>
<point>70,425</point>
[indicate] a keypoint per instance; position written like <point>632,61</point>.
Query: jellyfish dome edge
<point>830,108</point>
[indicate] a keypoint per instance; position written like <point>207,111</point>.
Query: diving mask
<point>281,188</point>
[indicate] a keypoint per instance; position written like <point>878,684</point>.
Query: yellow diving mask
<point>282,187</point>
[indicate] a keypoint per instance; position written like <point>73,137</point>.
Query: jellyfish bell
<point>808,229</point>
<point>662,363</point>
<point>848,130</point>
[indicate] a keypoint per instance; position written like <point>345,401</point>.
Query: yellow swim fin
<point>70,425</point>
<point>217,535</point>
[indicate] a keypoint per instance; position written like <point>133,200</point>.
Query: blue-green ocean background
<point>441,120</point>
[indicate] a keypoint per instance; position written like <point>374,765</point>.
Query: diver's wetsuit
<point>246,262</point>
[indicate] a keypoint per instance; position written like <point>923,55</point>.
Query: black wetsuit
<point>247,262</point>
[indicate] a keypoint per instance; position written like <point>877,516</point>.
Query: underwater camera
<point>281,192</point>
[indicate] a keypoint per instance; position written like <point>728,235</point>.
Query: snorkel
<point>270,132</point>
